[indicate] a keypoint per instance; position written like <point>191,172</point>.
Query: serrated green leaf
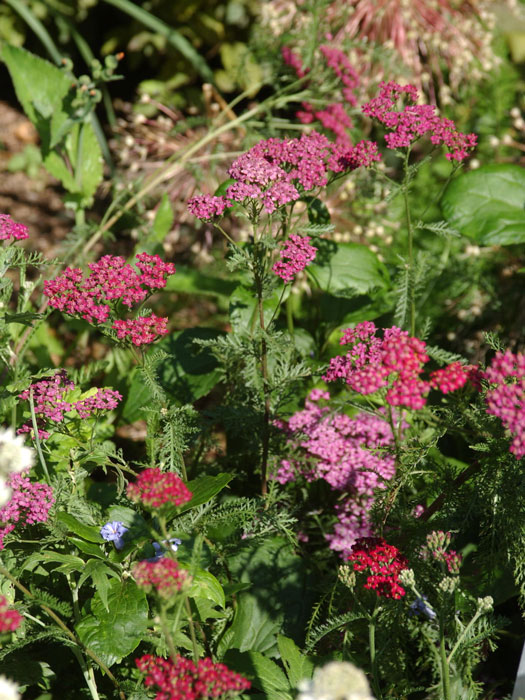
<point>115,632</point>
<point>298,666</point>
<point>346,269</point>
<point>264,673</point>
<point>254,628</point>
<point>41,89</point>
<point>488,204</point>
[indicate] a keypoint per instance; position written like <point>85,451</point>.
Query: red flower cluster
<point>164,576</point>
<point>50,405</point>
<point>506,396</point>
<point>416,120</point>
<point>10,618</point>
<point>111,280</point>
<point>296,254</point>
<point>384,563</point>
<point>11,229</point>
<point>397,362</point>
<point>142,330</point>
<point>183,680</point>
<point>154,489</point>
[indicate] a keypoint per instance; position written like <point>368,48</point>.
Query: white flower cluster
<point>8,689</point>
<point>14,457</point>
<point>338,680</point>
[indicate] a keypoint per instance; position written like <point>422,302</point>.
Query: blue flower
<point>160,550</point>
<point>114,532</point>
<point>420,607</point>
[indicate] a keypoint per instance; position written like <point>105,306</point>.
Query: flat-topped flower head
<point>415,120</point>
<point>295,254</point>
<point>29,504</point>
<point>11,230</point>
<point>142,330</point>
<point>382,562</point>
<point>164,576</point>
<point>182,679</point>
<point>155,489</point>
<point>10,618</point>
<point>14,456</point>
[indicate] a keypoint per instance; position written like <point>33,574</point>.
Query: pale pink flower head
<point>10,618</point>
<point>29,504</point>
<point>295,254</point>
<point>164,576</point>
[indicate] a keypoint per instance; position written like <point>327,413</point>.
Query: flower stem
<point>192,630</point>
<point>373,656</point>
<point>37,438</point>
<point>445,672</point>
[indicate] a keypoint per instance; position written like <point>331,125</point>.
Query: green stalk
<point>373,655</point>
<point>37,438</point>
<point>445,671</point>
<point>410,231</point>
<point>192,629</point>
<point>87,670</point>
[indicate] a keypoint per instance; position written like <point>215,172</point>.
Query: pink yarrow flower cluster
<point>334,116</point>
<point>276,172</point>
<point>110,281</point>
<point>383,562</point>
<point>29,504</point>
<point>10,618</point>
<point>11,230</point>
<point>163,576</point>
<point>352,454</point>
<point>49,397</point>
<point>184,680</point>
<point>155,489</point>
<point>142,330</point>
<point>295,254</point>
<point>505,397</point>
<point>396,361</point>
<point>415,120</point>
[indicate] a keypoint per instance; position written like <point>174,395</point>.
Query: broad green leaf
<point>94,550</point>
<point>244,312</point>
<point>316,210</point>
<point>41,89</point>
<point>86,158</point>
<point>188,280</point>
<point>488,204</point>
<point>114,633</point>
<point>132,520</point>
<point>254,628</point>
<point>189,373</point>
<point>74,563</point>
<point>265,674</point>
<point>163,218</point>
<point>346,269</point>
<point>204,489</point>
<point>88,532</point>
<point>297,665</point>
<point>138,396</point>
<point>205,585</point>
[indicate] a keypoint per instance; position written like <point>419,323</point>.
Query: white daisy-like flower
<point>8,689</point>
<point>14,455</point>
<point>338,680</point>
<point>5,492</point>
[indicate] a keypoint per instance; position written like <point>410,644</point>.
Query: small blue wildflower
<point>114,532</point>
<point>160,551</point>
<point>420,607</point>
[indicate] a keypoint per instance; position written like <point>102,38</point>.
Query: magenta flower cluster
<point>506,395</point>
<point>29,504</point>
<point>395,362</point>
<point>276,172</point>
<point>11,230</point>
<point>295,255</point>
<point>51,405</point>
<point>333,116</point>
<point>112,280</point>
<point>350,453</point>
<point>416,120</point>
